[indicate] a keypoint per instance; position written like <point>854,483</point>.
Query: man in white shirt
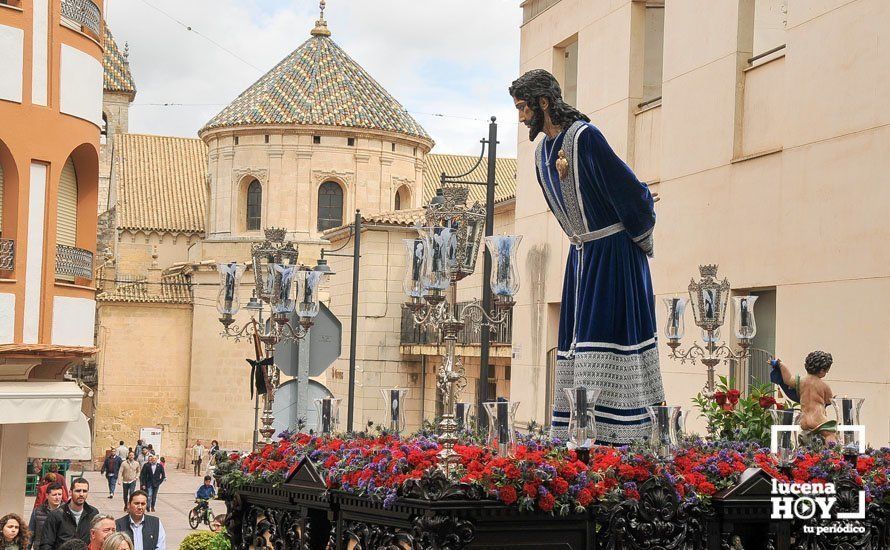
<point>147,532</point>
<point>198,456</point>
<point>122,451</point>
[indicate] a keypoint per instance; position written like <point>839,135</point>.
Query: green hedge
<point>205,540</point>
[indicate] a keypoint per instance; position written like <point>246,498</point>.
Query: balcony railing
<point>72,262</point>
<point>471,334</point>
<point>7,255</point>
<point>84,13</point>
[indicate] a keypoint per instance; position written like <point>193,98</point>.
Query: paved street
<point>176,498</point>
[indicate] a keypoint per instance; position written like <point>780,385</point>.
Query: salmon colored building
<point>50,119</point>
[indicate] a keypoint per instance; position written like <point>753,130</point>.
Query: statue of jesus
<point>607,328</point>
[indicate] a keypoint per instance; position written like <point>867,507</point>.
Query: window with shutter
<point>254,205</point>
<point>330,205</point>
<point>66,210</point>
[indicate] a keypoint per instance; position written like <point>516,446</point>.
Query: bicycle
<point>203,513</point>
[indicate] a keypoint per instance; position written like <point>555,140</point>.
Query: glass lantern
<point>328,409</point>
<point>501,418</point>
<point>475,228</point>
<point>309,283</point>
<point>439,244</point>
<point>227,302</point>
<point>413,283</point>
<point>785,443</point>
<point>846,413</point>
<point>582,424</point>
<point>745,327</point>
<point>393,400</point>
<point>505,274</point>
<point>282,292</point>
<point>667,428</point>
<point>675,328</point>
<point>462,415</point>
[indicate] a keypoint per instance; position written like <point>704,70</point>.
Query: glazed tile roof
<point>117,70</point>
<point>318,84</point>
<point>160,184</point>
<point>504,176</point>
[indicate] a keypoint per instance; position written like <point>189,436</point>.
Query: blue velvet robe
<point>607,328</point>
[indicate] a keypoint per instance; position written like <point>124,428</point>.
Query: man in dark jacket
<point>150,479</point>
<point>111,467</point>
<point>39,515</point>
<point>140,526</point>
<point>71,520</point>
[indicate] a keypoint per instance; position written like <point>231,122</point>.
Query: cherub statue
<point>811,392</point>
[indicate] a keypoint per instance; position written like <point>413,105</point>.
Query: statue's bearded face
<point>531,115</point>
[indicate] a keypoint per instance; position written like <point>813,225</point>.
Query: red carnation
<point>584,497</point>
<point>780,406</point>
<point>766,401</point>
<point>559,486</point>
<point>733,396</point>
<point>530,489</point>
<point>727,406</point>
<point>507,494</point>
<point>707,488</point>
<point>720,397</point>
<point>546,502</point>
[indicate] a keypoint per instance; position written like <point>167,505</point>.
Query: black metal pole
<point>353,326</point>
<point>485,342</point>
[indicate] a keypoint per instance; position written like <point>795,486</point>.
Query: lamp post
<point>709,299</point>
<point>444,253</point>
<point>281,287</point>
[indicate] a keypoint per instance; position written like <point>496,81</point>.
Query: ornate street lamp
<point>709,299</point>
<point>282,285</point>
<point>445,253</point>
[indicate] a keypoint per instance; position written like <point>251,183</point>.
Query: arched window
<point>103,131</point>
<point>254,205</point>
<point>66,210</point>
<point>330,205</point>
<point>402,198</point>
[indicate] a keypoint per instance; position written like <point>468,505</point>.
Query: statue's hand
<point>655,197</point>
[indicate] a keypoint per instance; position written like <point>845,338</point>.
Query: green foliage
<point>736,417</point>
<point>205,540</point>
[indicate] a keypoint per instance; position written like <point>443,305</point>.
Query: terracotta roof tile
<point>504,176</point>
<point>160,184</point>
<point>117,69</point>
<point>318,84</point>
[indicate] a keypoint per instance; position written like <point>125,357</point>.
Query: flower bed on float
<point>543,475</point>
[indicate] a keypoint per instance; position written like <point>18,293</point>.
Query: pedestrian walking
<point>150,479</point>
<point>111,467</point>
<point>101,526</point>
<point>39,515</point>
<point>197,456</point>
<point>49,479</point>
<point>147,532</point>
<point>129,474</point>
<point>122,451</point>
<point>142,457</point>
<point>138,448</point>
<point>16,535</point>
<point>118,541</point>
<point>71,520</point>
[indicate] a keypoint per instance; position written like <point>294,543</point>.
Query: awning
<point>61,440</point>
<point>30,402</point>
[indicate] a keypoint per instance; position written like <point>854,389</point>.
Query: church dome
<point>318,84</point>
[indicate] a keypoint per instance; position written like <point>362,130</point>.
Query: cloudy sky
<point>437,57</point>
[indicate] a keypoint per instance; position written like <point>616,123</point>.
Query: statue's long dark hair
<point>534,85</point>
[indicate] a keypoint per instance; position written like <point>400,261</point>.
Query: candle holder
<point>328,409</point>
<point>847,413</point>
<point>667,428</point>
<point>709,299</point>
<point>582,423</point>
<point>446,254</point>
<point>462,415</point>
<point>394,401</point>
<point>501,418</point>
<point>784,442</point>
